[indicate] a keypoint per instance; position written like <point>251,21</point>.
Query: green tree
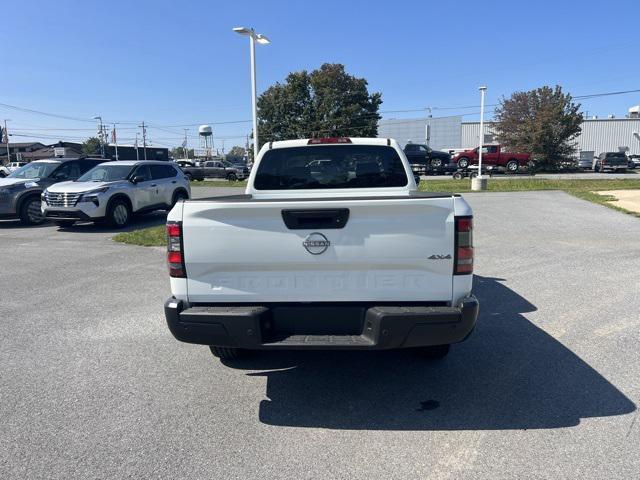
<point>544,122</point>
<point>328,102</point>
<point>178,152</point>
<point>237,152</point>
<point>91,146</point>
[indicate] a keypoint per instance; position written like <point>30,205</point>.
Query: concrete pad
<point>627,199</point>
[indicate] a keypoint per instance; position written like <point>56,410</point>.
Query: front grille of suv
<point>61,199</point>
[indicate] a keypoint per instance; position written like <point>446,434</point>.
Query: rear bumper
<point>337,326</point>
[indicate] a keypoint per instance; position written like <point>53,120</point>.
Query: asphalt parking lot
<point>94,386</point>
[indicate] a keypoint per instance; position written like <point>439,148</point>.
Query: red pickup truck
<point>492,155</point>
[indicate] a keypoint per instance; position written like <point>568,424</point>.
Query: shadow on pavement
<point>137,222</point>
<point>509,374</point>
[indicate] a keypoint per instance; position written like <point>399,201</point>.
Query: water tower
<point>206,139</point>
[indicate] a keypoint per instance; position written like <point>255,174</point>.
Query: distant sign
<point>59,151</point>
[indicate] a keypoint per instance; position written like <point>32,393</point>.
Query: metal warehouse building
<point>598,135</point>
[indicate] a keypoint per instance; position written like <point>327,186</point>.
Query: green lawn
<point>219,183</point>
<point>528,184</point>
<point>147,237</point>
<point>584,189</point>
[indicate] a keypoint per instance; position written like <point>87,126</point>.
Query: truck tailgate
<point>244,252</point>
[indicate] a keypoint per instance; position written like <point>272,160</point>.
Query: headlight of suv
<point>92,195</point>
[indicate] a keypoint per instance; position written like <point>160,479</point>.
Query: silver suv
<point>113,191</point>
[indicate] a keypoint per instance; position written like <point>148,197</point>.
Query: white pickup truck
<point>332,246</point>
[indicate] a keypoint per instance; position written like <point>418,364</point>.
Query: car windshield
<point>35,170</point>
<point>344,166</point>
<point>106,173</point>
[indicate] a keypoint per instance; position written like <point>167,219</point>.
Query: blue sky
<point>175,63</point>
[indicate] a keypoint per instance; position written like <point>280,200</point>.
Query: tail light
<point>320,141</point>
<point>175,256</point>
<point>463,264</point>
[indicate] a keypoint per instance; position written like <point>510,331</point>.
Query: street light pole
<point>482,89</point>
<point>137,154</point>
<point>480,182</point>
<point>253,38</point>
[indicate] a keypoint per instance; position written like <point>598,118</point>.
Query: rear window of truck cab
<point>330,166</point>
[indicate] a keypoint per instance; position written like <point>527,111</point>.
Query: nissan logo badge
<point>316,243</point>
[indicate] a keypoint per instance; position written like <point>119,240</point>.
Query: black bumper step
<point>321,325</point>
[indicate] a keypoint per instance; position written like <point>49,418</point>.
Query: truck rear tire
<point>512,166</point>
<point>435,352</point>
<point>227,353</point>
<point>463,162</point>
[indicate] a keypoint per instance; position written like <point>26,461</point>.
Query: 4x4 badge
<point>439,257</point>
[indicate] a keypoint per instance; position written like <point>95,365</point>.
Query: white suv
<point>113,191</point>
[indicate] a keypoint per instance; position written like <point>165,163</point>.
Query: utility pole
<point>144,139</point>
<point>137,154</point>
<point>100,134</point>
<point>114,137</point>
<point>428,128</point>
<point>6,138</point>
<point>184,145</point>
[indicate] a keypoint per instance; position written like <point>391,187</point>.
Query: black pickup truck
<point>424,160</point>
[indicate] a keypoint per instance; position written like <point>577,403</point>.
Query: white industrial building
<point>442,133</point>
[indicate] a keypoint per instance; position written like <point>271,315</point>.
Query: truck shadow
<point>509,374</point>
<point>137,222</point>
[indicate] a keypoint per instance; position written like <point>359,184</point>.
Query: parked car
<point>493,155</point>
<point>357,260</point>
<point>4,171</point>
<point>423,159</point>
<point>611,161</point>
<point>20,191</point>
<point>224,169</point>
<point>15,166</point>
<point>113,191</point>
<point>585,164</point>
<point>634,161</point>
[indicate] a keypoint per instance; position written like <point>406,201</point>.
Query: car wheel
<point>30,211</point>
<point>435,352</point>
<point>118,214</point>
<point>64,223</point>
<point>178,196</point>
<point>512,166</point>
<point>463,162</point>
<point>227,353</point>
<point>189,176</point>
<point>436,162</point>
<point>457,176</point>
<point>473,174</point>
<point>232,177</point>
